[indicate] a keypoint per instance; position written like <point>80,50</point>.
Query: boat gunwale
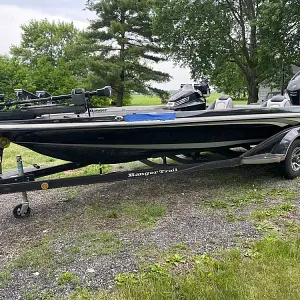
<point>190,121</point>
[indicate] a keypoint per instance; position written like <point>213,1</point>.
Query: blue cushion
<point>150,117</point>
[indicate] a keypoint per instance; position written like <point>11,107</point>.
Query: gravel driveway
<point>60,216</point>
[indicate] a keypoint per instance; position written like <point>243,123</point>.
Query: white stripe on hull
<point>150,146</point>
<point>281,120</point>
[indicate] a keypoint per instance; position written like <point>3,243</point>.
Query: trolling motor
<point>35,106</point>
<point>190,97</point>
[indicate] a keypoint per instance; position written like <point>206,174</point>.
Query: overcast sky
<point>14,13</point>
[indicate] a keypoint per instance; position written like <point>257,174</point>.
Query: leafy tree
<point>124,48</point>
<point>42,39</point>
<point>280,27</point>
<point>204,34</point>
<point>50,53</point>
<point>13,75</point>
<point>229,79</point>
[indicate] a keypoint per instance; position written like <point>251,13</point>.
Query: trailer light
<point>44,185</point>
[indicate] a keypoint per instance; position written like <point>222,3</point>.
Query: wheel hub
<point>296,159</point>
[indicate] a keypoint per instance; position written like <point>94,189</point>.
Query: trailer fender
<point>283,146</point>
<point>273,149</point>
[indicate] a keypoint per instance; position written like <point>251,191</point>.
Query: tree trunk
<point>120,97</point>
<point>252,90</point>
<point>121,89</point>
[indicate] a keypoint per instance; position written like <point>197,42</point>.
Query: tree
<point>49,51</point>
<point>229,79</point>
<point>204,34</point>
<point>124,48</point>
<point>280,27</point>
<point>13,75</point>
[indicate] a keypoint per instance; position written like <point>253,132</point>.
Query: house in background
<point>263,90</point>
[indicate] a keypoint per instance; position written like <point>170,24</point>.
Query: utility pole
<point>282,77</point>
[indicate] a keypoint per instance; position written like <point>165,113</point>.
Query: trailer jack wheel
<point>19,214</point>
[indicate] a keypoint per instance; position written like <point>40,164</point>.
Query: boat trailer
<point>284,148</point>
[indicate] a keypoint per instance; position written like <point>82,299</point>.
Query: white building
<point>264,90</point>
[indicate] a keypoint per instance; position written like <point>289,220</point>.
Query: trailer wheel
<point>291,164</point>
<point>17,212</point>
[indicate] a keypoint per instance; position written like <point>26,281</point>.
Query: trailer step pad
<point>266,158</point>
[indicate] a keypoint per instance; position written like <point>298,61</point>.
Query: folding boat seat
<point>224,102</point>
<point>277,101</point>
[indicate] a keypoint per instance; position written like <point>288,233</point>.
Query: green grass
<point>271,270</point>
<point>86,294</point>
<point>44,256</point>
<point>281,210</point>
<point>68,278</point>
<point>38,294</point>
<point>137,215</point>
<point>146,214</point>
<point>30,157</point>
<point>5,278</point>
<point>97,243</point>
<point>244,194</point>
<point>37,256</point>
<point>144,100</point>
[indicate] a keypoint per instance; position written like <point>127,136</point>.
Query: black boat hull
<point>108,146</point>
<point>97,140</point>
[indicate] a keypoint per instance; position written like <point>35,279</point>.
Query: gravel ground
<point>62,214</point>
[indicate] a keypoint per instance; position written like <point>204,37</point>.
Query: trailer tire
<point>291,164</point>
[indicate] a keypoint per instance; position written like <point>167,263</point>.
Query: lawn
<point>30,157</point>
<point>144,100</point>
<point>273,272</point>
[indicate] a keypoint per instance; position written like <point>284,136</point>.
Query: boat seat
<point>277,101</point>
<point>224,102</point>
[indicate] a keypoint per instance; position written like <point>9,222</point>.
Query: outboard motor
<point>293,89</point>
<point>189,98</point>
